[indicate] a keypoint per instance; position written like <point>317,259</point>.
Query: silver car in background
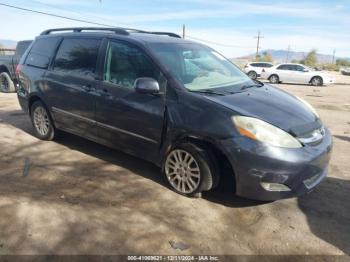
<point>297,74</point>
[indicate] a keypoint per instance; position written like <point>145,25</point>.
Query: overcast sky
<point>303,25</point>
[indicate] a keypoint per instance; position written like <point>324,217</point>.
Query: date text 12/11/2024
<point>173,258</point>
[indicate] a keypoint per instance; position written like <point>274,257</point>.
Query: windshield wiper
<point>252,85</point>
<point>209,91</point>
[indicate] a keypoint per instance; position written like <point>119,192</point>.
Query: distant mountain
<point>280,56</point>
<point>8,43</point>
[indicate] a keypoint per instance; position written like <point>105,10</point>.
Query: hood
<point>274,106</point>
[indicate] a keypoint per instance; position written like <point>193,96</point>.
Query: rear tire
<point>42,121</point>
<point>6,83</point>
<point>316,81</point>
<point>253,75</point>
<point>274,79</point>
<point>189,170</point>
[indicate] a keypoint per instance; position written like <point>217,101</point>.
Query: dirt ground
<point>73,196</point>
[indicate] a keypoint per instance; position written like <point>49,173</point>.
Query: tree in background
<point>342,62</point>
<point>310,59</point>
<point>265,57</point>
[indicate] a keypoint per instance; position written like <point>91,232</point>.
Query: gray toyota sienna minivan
<point>176,103</point>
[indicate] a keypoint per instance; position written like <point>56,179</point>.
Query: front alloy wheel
<point>182,171</point>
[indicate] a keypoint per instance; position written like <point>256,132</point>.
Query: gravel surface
<point>73,196</point>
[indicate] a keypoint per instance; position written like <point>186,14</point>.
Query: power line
<point>55,15</point>
<point>79,13</point>
<point>258,44</point>
<point>333,58</point>
<point>107,25</point>
<point>288,52</point>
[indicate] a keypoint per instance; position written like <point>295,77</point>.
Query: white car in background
<point>298,74</point>
<point>253,70</point>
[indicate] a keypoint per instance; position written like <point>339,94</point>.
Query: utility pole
<point>183,31</point>
<point>258,44</point>
<point>288,52</point>
<point>333,58</point>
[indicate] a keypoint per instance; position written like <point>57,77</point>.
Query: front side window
<point>125,63</point>
<point>299,68</point>
<point>198,67</point>
<point>77,57</point>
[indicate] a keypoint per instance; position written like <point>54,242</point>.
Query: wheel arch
<point>226,171</point>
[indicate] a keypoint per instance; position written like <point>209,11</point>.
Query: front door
<point>125,118</point>
<point>71,83</point>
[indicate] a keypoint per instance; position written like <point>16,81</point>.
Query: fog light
<point>274,187</point>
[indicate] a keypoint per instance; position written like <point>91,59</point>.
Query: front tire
<point>274,79</point>
<point>42,121</point>
<point>189,169</point>
<point>316,81</point>
<point>6,83</point>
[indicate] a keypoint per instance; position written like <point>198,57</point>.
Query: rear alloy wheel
<point>42,123</point>
<point>253,75</point>
<point>6,83</point>
<point>189,170</point>
<point>274,79</point>
<point>316,81</point>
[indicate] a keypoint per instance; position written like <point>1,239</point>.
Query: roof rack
<point>117,30</point>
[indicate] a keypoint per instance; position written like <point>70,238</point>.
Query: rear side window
<point>41,52</point>
<point>256,65</point>
<point>77,56</point>
<point>267,65</point>
<point>284,67</point>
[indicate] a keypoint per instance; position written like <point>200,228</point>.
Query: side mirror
<point>305,70</point>
<point>146,85</point>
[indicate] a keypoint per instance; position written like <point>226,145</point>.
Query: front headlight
<point>264,132</point>
<point>313,110</point>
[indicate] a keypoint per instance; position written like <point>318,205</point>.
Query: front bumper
<point>300,169</point>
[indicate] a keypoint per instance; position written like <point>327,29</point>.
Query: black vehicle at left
<point>8,65</point>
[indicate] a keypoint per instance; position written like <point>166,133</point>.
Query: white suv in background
<point>253,70</point>
<point>298,74</point>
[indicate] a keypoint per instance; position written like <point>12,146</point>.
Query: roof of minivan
<point>136,37</point>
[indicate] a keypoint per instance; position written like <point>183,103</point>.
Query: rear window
<point>77,56</point>
<point>41,52</point>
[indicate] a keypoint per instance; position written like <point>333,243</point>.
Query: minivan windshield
<point>200,68</point>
